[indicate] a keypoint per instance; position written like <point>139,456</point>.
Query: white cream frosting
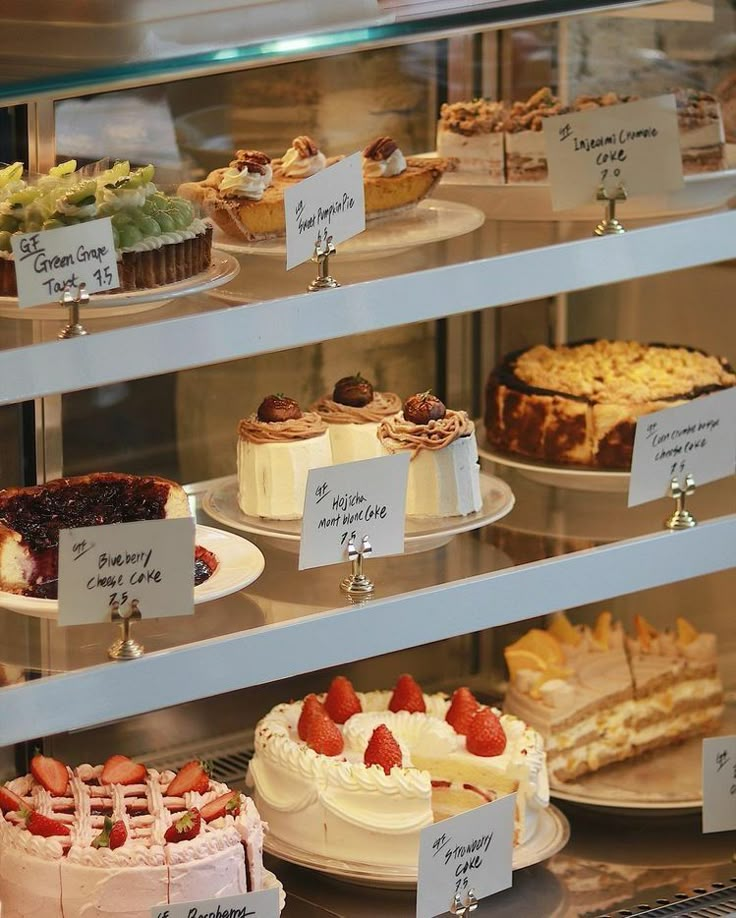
<point>121,197</point>
<point>338,807</point>
<point>150,243</point>
<point>385,168</point>
<point>444,482</point>
<point>294,165</point>
<point>245,184</point>
<point>75,210</point>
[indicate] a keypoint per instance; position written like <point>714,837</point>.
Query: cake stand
<point>223,268</point>
<point>240,563</point>
<point>551,836</point>
<point>421,533</point>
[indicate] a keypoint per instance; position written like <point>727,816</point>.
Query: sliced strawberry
<point>190,777</point>
<point>463,707</point>
<point>187,826</point>
<point>225,805</point>
<point>113,835</point>
<point>312,707</point>
<point>51,774</point>
<point>10,802</point>
<point>382,749</point>
<point>407,696</point>
<point>485,734</point>
<point>38,824</point>
<point>119,769</point>
<point>324,736</point>
<point>341,701</point>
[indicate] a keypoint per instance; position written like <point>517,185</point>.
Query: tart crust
<point>553,419</point>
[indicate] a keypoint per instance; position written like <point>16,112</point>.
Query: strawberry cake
<point>118,839</point>
<point>356,776</point>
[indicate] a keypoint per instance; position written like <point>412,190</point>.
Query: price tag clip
<point>609,225</point>
<point>125,648</point>
<point>465,907</point>
<point>681,518</point>
<point>74,329</point>
<point>357,584</point>
<point>321,257</point>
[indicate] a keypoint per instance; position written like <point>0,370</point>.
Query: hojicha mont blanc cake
<point>158,238</point>
<point>277,446</point>
<point>353,414</point>
<point>444,473</point>
<point>579,403</point>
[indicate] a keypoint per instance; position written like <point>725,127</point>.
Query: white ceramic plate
<point>666,781</point>
<point>560,476</point>
<point>421,533</point>
<point>553,833</point>
<point>430,221</point>
<point>240,562</point>
<point>704,191</point>
<point>222,269</point>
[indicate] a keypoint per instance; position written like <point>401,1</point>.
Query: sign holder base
<point>465,907</point>
<point>609,225</point>
<point>125,648</point>
<point>74,329</point>
<point>357,584</point>
<point>321,258</point>
<point>681,518</point>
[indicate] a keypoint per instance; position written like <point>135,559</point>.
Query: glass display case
<point>432,299</point>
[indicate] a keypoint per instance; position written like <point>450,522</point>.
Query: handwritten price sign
<point>472,851</point>
<point>635,145</point>
<point>148,563</point>
<point>719,784</point>
<point>262,904</point>
<point>698,438</point>
<point>45,263</point>
<point>347,502</point>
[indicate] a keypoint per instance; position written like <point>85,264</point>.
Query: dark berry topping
<point>353,390</point>
<point>278,408</point>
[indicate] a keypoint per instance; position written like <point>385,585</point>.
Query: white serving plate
<point>240,563</point>
<point>561,476</point>
<point>421,533</point>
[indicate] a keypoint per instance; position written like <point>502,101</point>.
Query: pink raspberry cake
<point>118,839</point>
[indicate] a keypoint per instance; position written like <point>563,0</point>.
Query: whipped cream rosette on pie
<point>599,696</point>
<point>277,446</point>
<point>158,238</point>
<point>356,776</point>
<point>119,839</point>
<point>353,413</point>
<point>444,473</point>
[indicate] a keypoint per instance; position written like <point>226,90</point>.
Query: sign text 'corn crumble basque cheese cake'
<point>246,199</point>
<point>598,696</point>
<point>356,776</point>
<point>31,518</point>
<point>579,403</point>
<point>158,238</point>
<point>118,839</point>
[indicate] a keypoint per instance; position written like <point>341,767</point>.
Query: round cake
<point>356,776</point>
<point>352,414</point>
<point>579,403</point>
<point>118,839</point>
<point>444,473</point>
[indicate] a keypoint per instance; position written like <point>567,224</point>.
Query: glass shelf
<point>92,53</point>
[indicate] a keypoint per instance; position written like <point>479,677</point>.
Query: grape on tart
<point>356,776</point>
<point>158,238</point>
<point>352,413</point>
<point>599,696</point>
<point>444,473</point>
<point>579,403</point>
<point>277,446</point>
<point>246,199</point>
<point>31,518</point>
<point>120,838</point>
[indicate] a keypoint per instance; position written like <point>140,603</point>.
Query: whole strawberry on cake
<point>119,839</point>
<point>356,776</point>
<point>159,239</point>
